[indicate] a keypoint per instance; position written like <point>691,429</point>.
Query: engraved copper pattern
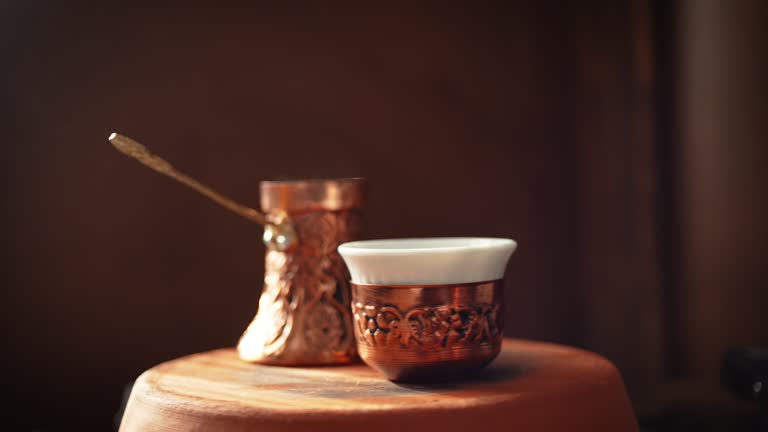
<point>415,332</point>
<point>303,316</point>
<point>431,327</point>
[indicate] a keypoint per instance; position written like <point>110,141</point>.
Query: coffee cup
<point>428,308</point>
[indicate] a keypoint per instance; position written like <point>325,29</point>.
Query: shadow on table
<point>495,373</point>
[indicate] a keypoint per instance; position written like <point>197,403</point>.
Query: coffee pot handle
<point>278,233</point>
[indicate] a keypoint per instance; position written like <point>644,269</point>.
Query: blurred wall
<point>723,136</point>
<point>457,118</point>
<point>532,121</point>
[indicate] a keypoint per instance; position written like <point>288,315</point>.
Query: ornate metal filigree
<point>415,332</point>
<point>304,315</point>
<point>432,327</point>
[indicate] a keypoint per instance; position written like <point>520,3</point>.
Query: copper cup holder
<point>428,332</point>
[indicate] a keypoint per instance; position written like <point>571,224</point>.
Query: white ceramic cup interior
<point>427,261</point>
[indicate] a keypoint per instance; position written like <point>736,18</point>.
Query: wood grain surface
<point>531,386</point>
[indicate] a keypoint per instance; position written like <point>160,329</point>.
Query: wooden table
<point>531,386</point>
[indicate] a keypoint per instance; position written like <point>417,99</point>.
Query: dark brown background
<point>621,143</point>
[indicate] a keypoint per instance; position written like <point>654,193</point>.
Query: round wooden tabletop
<point>531,386</point>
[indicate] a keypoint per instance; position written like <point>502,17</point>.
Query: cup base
<point>407,370</point>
